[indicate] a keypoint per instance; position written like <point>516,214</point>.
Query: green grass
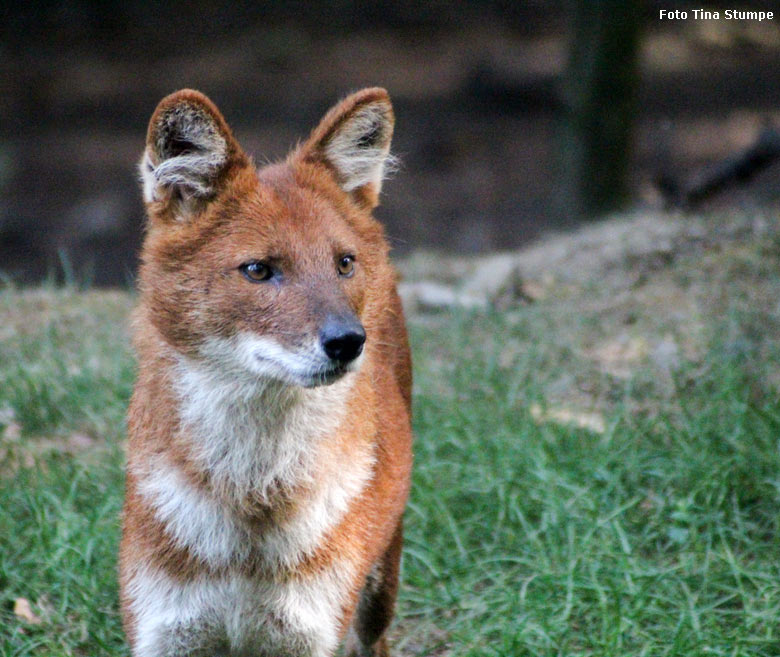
<point>658,536</point>
<point>525,535</point>
<point>65,370</point>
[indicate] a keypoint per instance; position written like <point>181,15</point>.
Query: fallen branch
<point>736,169</point>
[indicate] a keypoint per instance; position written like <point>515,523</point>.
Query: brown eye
<point>346,265</point>
<point>257,272</point>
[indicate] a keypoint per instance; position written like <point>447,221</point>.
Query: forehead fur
<point>280,210</point>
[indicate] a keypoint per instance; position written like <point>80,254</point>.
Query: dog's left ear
<point>353,141</point>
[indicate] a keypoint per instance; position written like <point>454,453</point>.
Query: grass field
<point>597,472</point>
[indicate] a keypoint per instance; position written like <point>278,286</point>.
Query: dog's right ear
<point>190,152</point>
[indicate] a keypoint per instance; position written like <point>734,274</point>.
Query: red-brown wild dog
<point>269,431</point>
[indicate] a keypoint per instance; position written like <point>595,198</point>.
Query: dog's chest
<point>215,533</point>
<point>239,616</point>
<point>256,447</point>
<point>279,609</point>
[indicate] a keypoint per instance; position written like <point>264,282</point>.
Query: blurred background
<point>513,118</point>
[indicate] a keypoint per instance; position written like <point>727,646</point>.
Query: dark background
<point>478,89</point>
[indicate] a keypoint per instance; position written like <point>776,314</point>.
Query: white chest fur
<point>200,522</point>
<point>237,616</point>
<point>256,441</point>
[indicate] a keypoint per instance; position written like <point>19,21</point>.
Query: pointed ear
<point>190,151</point>
<point>353,140</point>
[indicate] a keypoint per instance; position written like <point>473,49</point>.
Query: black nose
<point>342,339</point>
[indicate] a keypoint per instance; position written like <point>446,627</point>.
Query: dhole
<point>269,431</point>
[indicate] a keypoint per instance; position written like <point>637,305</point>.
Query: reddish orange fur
<point>190,290</point>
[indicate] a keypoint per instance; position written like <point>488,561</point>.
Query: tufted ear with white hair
<point>353,141</point>
<point>190,151</point>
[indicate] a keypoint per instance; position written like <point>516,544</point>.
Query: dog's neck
<point>254,437</point>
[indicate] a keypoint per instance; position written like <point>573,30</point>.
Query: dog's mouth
<point>328,375</point>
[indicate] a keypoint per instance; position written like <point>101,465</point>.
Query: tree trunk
<point>599,99</point>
